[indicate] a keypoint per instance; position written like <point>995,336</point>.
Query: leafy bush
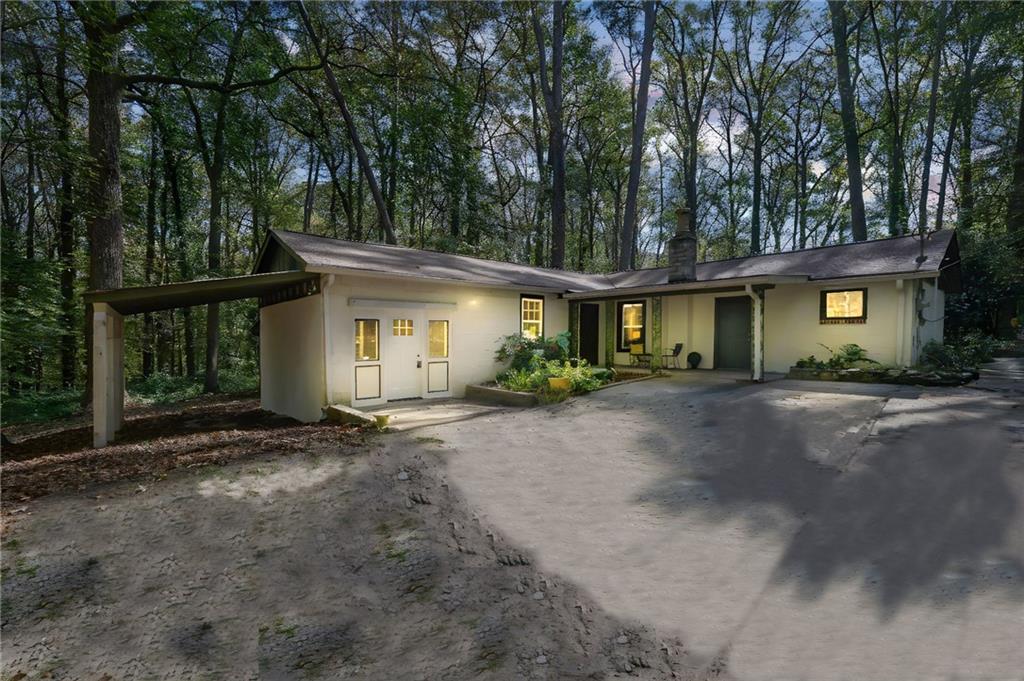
<point>518,380</point>
<point>846,356</point>
<point>843,357</point>
<point>162,388</point>
<point>810,362</point>
<point>30,407</point>
<point>581,377</point>
<point>519,350</point>
<point>964,352</point>
<point>534,378</point>
<point>157,389</point>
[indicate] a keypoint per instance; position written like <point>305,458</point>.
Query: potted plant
<point>561,383</point>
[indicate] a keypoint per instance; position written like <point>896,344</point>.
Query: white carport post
<point>757,351</point>
<point>107,373</point>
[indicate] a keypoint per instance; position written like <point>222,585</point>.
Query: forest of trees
<point>146,143</point>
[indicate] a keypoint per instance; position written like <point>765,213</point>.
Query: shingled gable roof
<point>324,254</point>
<point>881,257</point>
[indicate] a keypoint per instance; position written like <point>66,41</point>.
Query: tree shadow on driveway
<point>920,513</point>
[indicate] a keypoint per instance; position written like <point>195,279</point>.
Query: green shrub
<point>534,377</point>
<point>810,362</point>
<point>162,388</point>
<point>581,377</point>
<point>156,389</point>
<point>516,379</point>
<point>962,353</point>
<point>519,350</point>
<point>846,356</point>
<point>31,407</point>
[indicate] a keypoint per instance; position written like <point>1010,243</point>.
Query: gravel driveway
<point>683,527</point>
<point>792,530</point>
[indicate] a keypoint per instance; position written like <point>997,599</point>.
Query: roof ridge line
<point>430,250</point>
<point>799,250</point>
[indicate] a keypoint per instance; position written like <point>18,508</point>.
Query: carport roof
<point>204,291</point>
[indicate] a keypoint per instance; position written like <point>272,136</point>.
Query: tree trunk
<point>150,262</point>
<point>947,155</point>
<point>312,172</point>
<point>30,200</point>
<point>556,141</point>
<point>1015,205</point>
<point>104,219</point>
<point>858,221</point>
<point>629,225</point>
<point>65,224</point>
<point>353,133</point>
<point>211,382</point>
<point>691,175</point>
<point>966,168</point>
<point>933,101</point>
<point>755,208</point>
<point>184,271</point>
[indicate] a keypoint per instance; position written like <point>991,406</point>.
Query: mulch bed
<point>43,459</point>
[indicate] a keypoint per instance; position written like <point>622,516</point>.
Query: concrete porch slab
<point>409,414</point>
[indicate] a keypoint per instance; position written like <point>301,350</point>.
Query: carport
<point>110,307</point>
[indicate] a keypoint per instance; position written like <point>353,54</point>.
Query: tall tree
<point>104,86</point>
<point>933,104</point>
<point>1015,204</point>
<point>848,111</point>
<point>690,41</point>
<point>552,90</point>
<point>627,242</point>
<point>757,64</point>
<point>364,161</point>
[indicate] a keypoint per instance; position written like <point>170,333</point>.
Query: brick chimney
<point>682,249</point>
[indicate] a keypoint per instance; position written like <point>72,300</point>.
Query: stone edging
<point>883,375</point>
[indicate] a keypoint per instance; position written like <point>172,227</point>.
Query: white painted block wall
<point>292,358</point>
<point>480,317</point>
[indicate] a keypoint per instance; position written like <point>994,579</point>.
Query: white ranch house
<point>361,324</point>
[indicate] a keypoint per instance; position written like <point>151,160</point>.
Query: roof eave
<point>354,271</point>
<point>273,236</point>
<point>888,276</point>
<point>683,287</point>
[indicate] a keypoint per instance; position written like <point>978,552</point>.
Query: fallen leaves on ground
<point>209,430</point>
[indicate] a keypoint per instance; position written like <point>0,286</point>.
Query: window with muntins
<point>531,316</point>
<point>631,324</point>
<point>849,306</point>
<point>401,327</point>
<point>367,346</point>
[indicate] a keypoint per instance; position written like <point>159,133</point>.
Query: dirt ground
<point>315,553</point>
<point>58,456</point>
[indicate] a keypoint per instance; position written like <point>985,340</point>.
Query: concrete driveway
<point>792,530</point>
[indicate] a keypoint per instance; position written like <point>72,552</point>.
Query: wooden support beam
<point>108,374</point>
<point>757,337</point>
<point>656,348</point>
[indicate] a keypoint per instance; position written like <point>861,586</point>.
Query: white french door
<point>404,359</point>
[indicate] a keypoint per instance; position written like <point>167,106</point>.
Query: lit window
<point>631,324</point>
<point>532,316</point>
<point>366,340</point>
<point>844,307</point>
<point>437,338</point>
<point>401,327</point>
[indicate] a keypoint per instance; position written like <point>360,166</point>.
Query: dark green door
<point>590,314</point>
<point>732,333</point>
